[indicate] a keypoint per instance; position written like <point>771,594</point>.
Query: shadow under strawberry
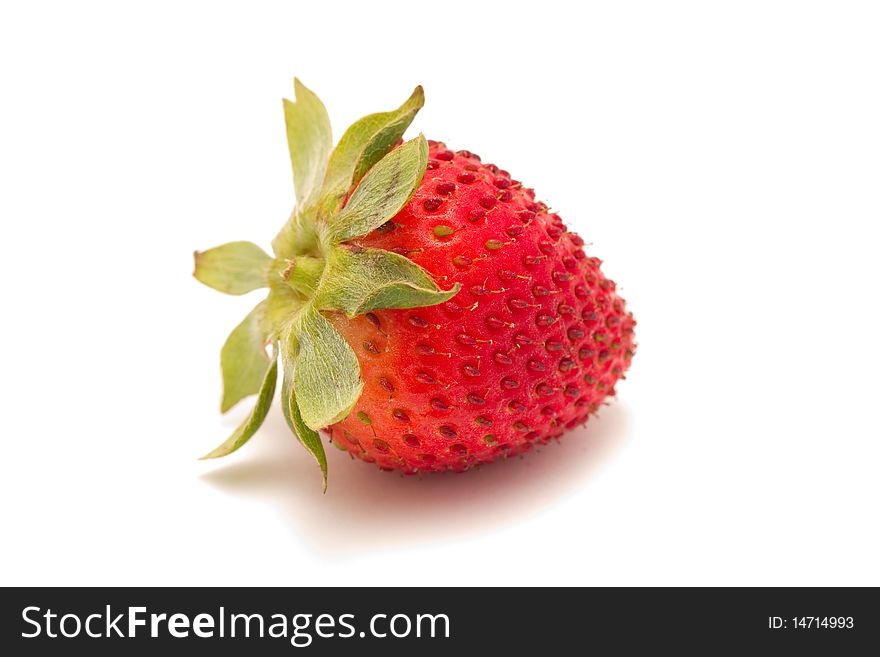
<point>365,511</point>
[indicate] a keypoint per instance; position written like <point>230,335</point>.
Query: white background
<point>723,158</point>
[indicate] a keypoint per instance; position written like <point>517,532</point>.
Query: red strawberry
<point>430,314</point>
<point>533,343</point>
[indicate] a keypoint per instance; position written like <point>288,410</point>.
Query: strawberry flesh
<point>531,346</point>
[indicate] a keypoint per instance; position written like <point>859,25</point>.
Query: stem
<point>303,273</point>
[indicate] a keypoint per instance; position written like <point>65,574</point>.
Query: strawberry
<point>429,313</point>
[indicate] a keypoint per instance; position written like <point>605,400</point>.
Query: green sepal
<point>233,268</point>
<point>249,427</point>
<point>309,439</point>
<point>360,280</point>
<point>243,358</point>
<point>309,140</point>
<point>326,377</point>
<point>383,192</point>
<point>366,142</point>
<point>297,235</point>
<point>282,305</point>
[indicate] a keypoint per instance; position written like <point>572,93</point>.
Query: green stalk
<point>302,273</point>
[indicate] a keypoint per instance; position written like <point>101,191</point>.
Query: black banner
<point>333,621</point>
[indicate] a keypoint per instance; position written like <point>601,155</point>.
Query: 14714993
<point>810,622</point>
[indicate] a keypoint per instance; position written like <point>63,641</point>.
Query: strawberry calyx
<point>318,268</point>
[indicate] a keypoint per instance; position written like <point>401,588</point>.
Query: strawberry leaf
<point>326,378</point>
<point>243,359</point>
<point>382,193</point>
<point>309,140</point>
<point>309,438</point>
<point>362,280</point>
<point>249,427</point>
<point>366,142</point>
<point>234,268</point>
<point>282,306</point>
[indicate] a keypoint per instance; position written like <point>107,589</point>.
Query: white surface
<point>722,159</point>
